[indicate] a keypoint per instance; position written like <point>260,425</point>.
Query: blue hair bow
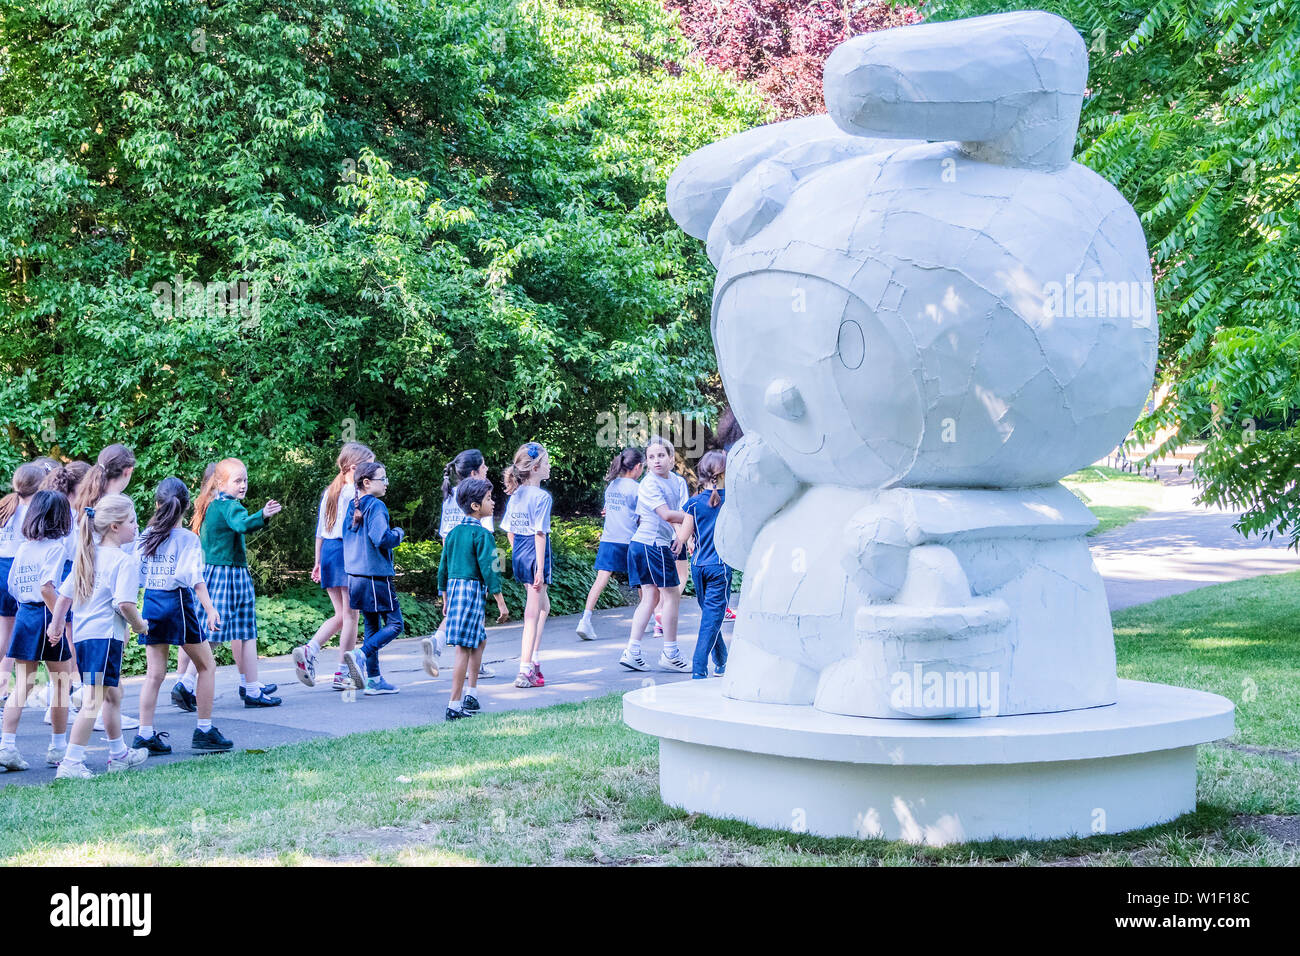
<point>90,512</point>
<point>534,449</point>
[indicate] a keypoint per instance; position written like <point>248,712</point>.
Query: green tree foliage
<point>1194,114</point>
<point>254,227</point>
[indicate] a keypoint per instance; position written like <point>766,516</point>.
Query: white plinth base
<point>1035,776</point>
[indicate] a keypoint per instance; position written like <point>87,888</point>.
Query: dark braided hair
<point>365,471</point>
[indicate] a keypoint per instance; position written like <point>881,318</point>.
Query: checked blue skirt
<point>231,590</point>
<point>465,610</point>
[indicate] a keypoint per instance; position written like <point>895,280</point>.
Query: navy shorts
<point>651,564</point>
<point>8,606</point>
<point>100,661</point>
<point>332,573</point>
<point>611,556</point>
<point>171,617</point>
<point>29,642</point>
<point>523,559</point>
<point>371,595</point>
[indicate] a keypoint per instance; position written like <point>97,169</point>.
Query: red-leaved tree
<point>781,45</point>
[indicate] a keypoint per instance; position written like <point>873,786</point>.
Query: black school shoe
<point>470,704</point>
<point>458,714</point>
<point>266,689</point>
<point>155,744</point>
<point>184,698</point>
<point>210,741</point>
<point>263,699</point>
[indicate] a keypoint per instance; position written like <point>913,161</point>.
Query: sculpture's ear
<point>1008,86</point>
<point>701,181</point>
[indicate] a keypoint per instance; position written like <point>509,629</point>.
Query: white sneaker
<point>586,630</point>
<point>47,719</point>
<point>132,758</point>
<point>54,756</point>
<point>678,663</point>
<point>75,699</point>
<point>128,723</point>
<point>72,716</point>
<point>636,663</point>
<point>72,770</point>
<point>429,653</point>
<point>11,759</point>
<point>485,672</point>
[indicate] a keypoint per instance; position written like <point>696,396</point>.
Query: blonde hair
<point>111,510</point>
<point>353,454</point>
<point>528,459</point>
<point>220,475</point>
<point>27,481</point>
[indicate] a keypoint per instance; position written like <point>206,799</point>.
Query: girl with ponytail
<point>101,591</point>
<point>368,543</point>
<point>171,573</point>
<point>329,572</point>
<point>13,510</point>
<point>36,572</point>
<point>620,524</point>
<point>711,577</point>
<point>528,526</point>
<point>221,521</point>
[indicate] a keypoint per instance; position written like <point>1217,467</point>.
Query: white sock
<point>634,646</point>
<point>670,648</point>
<point>190,681</point>
<point>58,740</point>
<point>77,753</point>
<point>116,748</point>
<point>205,726</point>
<point>243,682</point>
<point>455,704</point>
<point>9,740</point>
<point>313,647</point>
<point>586,615</point>
<point>146,731</point>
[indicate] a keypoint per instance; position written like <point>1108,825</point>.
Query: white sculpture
<point>925,315</point>
<point>902,327</point>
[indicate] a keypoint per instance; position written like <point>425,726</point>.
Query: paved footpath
<point>1181,546</point>
<point>1177,547</point>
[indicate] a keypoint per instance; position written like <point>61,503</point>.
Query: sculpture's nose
<point>783,400</point>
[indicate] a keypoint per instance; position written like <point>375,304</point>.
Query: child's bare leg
<point>458,672</point>
<point>205,666</point>
<point>22,690</point>
<point>155,670</point>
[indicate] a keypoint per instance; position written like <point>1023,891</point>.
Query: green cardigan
<point>468,554</point>
<point>222,534</point>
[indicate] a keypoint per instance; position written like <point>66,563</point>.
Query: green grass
<point>1098,473</point>
<point>1115,497</point>
<point>572,784</point>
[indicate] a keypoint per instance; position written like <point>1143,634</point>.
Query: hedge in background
<point>260,229</point>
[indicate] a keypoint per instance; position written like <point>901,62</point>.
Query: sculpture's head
<point>975,310</point>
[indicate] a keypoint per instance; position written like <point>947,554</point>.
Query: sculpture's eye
<point>851,347</point>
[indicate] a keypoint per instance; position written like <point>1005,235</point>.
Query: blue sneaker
<point>377,685</point>
<point>356,662</point>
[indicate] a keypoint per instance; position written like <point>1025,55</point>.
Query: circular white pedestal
<point>1101,770</point>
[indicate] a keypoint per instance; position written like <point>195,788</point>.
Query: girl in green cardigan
<point>466,572</point>
<point>221,521</point>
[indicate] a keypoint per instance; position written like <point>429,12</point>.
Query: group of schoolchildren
<point>73,561</point>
